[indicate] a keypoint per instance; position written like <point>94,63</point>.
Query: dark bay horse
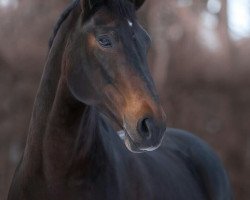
<point>96,82</point>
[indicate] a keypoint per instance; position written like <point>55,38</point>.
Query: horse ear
<point>137,3</point>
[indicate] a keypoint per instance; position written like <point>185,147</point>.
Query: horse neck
<point>62,132</point>
<point>45,97</point>
<point>74,150</point>
<point>51,87</point>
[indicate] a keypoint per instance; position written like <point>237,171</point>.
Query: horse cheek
<point>81,87</point>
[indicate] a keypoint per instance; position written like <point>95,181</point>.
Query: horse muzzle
<point>146,136</point>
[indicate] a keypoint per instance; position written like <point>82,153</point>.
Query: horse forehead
<point>103,18</point>
<point>110,20</point>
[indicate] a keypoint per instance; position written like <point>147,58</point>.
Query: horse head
<point>107,68</point>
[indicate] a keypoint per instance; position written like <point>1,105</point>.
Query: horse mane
<point>120,8</point>
<point>61,19</point>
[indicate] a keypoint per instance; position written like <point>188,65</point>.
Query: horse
<point>98,130</point>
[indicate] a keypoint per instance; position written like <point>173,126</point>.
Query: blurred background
<point>200,60</point>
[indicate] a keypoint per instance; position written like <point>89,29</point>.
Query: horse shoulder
<point>203,160</point>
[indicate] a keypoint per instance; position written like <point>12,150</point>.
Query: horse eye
<point>105,41</point>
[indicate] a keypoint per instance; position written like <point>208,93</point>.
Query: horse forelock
<point>121,8</point>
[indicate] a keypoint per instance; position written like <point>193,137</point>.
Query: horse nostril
<point>144,128</point>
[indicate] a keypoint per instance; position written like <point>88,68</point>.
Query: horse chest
<point>151,182</point>
<point>141,192</point>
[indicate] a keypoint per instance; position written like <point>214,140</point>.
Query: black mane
<point>62,18</point>
<point>120,8</point>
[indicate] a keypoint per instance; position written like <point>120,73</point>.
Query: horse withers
<point>97,128</point>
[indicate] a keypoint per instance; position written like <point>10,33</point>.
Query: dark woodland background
<point>200,65</point>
